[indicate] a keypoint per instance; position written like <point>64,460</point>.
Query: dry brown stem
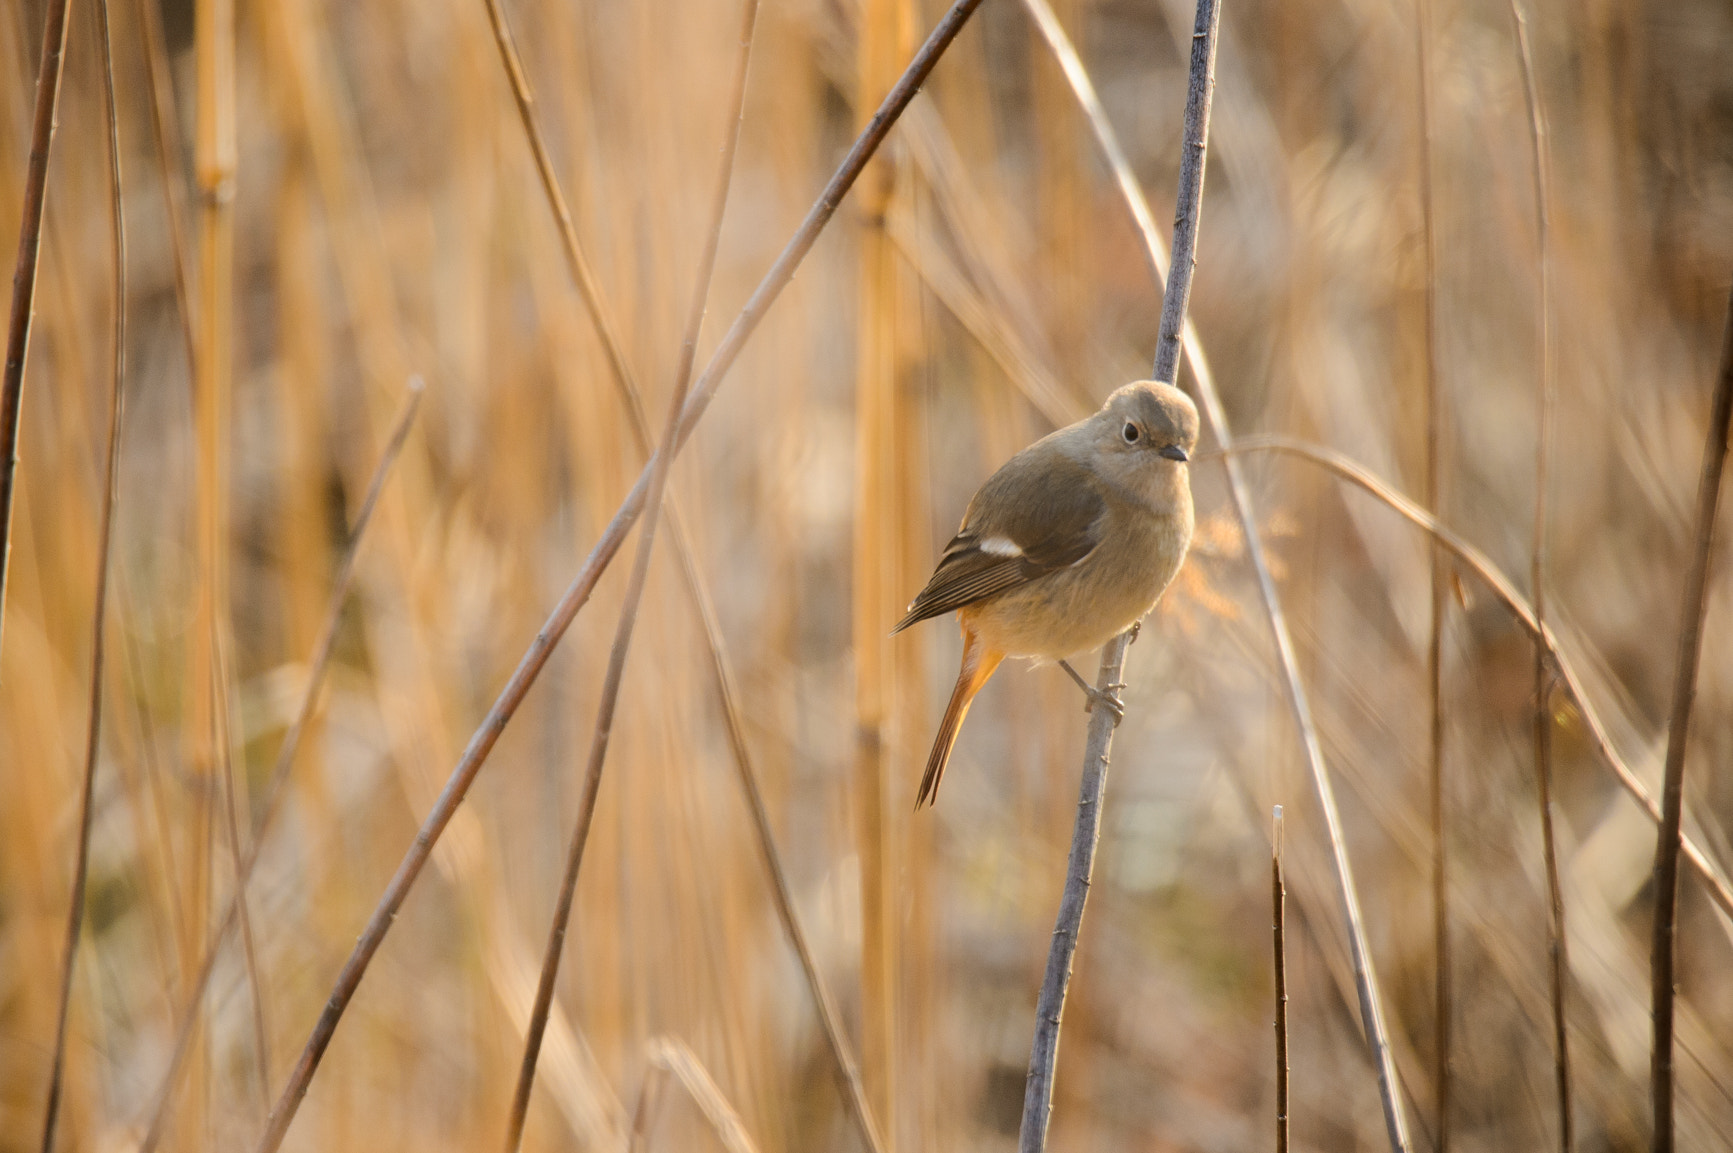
<point>601,555</point>
<point>166,129</point>
<point>99,613</point>
<point>1079,869</point>
<point>24,271</point>
<point>1366,982</point>
<point>1278,933</point>
<point>1693,605</point>
<point>318,663</point>
<point>1439,580</point>
<point>610,698</point>
<point>595,303</point>
<point>1558,958</point>
<point>1482,566</point>
<point>675,1057</point>
<point>579,264</point>
<point>1086,833</point>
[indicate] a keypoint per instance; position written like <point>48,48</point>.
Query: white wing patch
<point>999,546</point>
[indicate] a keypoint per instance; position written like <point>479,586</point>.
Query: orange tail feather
<point>978,664</point>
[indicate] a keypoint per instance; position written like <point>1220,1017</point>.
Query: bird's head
<point>1147,422</point>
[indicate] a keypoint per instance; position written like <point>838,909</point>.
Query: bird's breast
<point>1087,604</point>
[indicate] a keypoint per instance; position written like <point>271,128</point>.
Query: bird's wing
<point>1022,525</point>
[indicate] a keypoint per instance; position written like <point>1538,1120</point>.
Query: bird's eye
<point>1130,433</point>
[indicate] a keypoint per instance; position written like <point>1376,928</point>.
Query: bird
<point>1071,542</point>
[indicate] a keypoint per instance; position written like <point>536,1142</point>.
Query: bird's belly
<point>1076,609</point>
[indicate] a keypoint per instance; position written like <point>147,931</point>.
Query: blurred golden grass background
<point>982,282</point>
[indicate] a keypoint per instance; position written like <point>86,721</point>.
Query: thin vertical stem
<point>215,159</point>
<point>165,128</point>
<point>228,753</point>
<point>99,613</point>
<point>610,696</point>
<point>683,1065</point>
<point>782,893</point>
<point>1079,869</point>
<point>1715,885</point>
<point>873,563</point>
<point>601,555</point>
<point>579,264</point>
<point>1188,205</point>
<point>848,1072</point>
<point>1086,833</point>
<point>1210,404</point>
<point>1694,602</point>
<point>317,664</point>
<point>24,272</point>
<point>1545,389</point>
<point>1439,576</point>
<point>1278,932</point>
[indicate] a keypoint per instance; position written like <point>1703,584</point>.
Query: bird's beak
<point>1174,452</point>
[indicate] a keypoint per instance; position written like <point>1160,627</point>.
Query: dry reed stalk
<point>1440,577</point>
<point>849,1082</point>
<point>99,613</point>
<point>1667,844</point>
<point>623,864</point>
<point>1715,884</point>
<point>24,271</point>
<point>301,530</point>
<point>601,555</point>
<point>969,212</point>
<point>1278,932</point>
<point>1027,371</point>
<point>579,264</point>
<point>318,118</point>
<point>215,159</point>
<point>1188,210</point>
<point>1079,868</point>
<point>133,758</point>
<point>1371,1005</point>
<point>165,128</point>
<point>675,1057</point>
<point>317,664</point>
<point>166,132</point>
<point>1061,206</point>
<point>214,162</point>
<point>297,43</point>
<point>1365,773</point>
<point>568,1066</point>
<point>661,463</point>
<point>1545,388</point>
<point>913,881</point>
<point>168,870</point>
<point>881,32</point>
<point>405,639</point>
<point>608,330</point>
<point>416,708</point>
<point>229,750</point>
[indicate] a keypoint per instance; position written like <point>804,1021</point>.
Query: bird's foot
<point>1107,699</point>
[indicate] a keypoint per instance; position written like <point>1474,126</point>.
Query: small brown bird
<point>1065,547</point>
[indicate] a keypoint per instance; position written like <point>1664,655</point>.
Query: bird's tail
<point>978,664</point>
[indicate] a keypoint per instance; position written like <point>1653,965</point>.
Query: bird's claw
<point>1108,700</point>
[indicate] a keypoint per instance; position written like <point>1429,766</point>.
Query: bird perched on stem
<point>1068,545</point>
